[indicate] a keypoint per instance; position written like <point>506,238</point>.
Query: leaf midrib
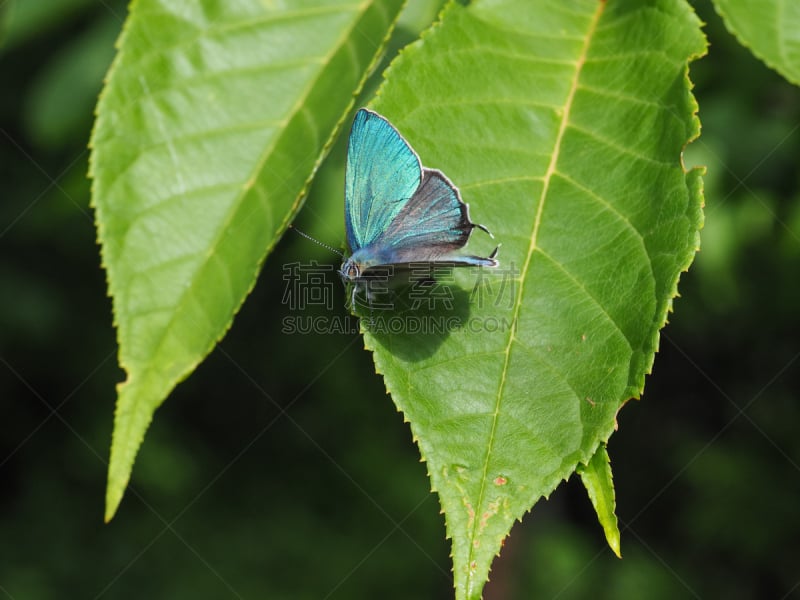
<point>551,170</point>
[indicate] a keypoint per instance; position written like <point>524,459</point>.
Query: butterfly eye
<point>349,270</point>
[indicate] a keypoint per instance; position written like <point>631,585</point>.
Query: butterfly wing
<point>383,172</point>
<point>432,224</point>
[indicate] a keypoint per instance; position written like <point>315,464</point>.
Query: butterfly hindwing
<point>433,223</point>
<point>382,174</point>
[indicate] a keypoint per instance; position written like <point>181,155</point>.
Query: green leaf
<point>213,119</point>
<point>563,126</point>
<point>599,484</point>
<point>770,28</point>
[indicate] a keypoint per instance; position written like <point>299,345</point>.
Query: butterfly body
<point>396,211</point>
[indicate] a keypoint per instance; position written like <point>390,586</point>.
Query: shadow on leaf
<point>412,316</point>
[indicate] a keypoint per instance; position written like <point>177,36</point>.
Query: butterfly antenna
<point>308,237</point>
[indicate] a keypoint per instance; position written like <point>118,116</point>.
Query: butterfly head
<point>361,263</point>
<point>350,270</point>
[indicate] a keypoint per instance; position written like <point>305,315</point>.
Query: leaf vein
<point>551,169</point>
<point>560,266</point>
<point>181,83</point>
<point>618,96</point>
<point>607,205</point>
<point>500,181</point>
<point>607,142</point>
<point>177,141</point>
<point>233,26</point>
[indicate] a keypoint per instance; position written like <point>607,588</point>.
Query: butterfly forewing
<point>383,172</point>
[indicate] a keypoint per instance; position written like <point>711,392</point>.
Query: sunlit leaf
<point>563,124</point>
<point>214,117</point>
<point>599,484</point>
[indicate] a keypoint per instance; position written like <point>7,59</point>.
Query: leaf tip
<point>136,402</point>
<point>114,494</point>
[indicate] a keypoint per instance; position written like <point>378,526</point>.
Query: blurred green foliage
<point>280,469</point>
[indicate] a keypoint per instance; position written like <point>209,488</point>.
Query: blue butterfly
<point>396,211</point>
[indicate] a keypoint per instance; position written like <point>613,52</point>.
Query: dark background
<point>280,469</point>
